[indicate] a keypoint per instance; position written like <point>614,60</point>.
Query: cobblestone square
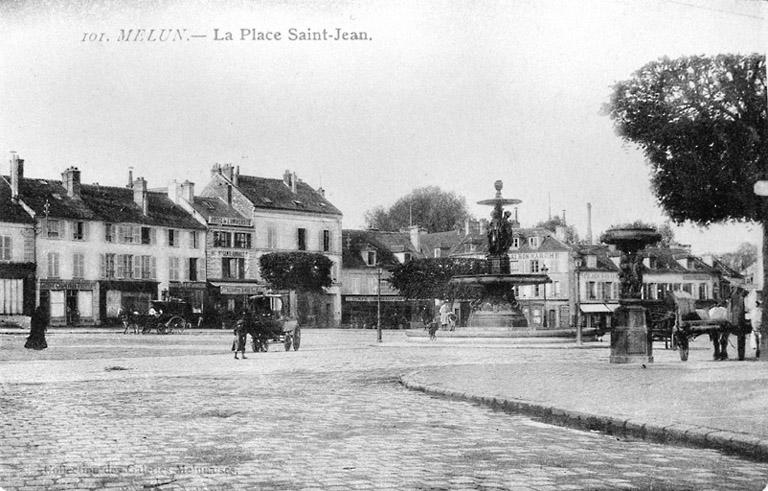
<point>182,414</point>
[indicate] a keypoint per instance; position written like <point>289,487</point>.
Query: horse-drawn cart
<point>688,323</point>
<point>266,325</point>
<point>164,317</point>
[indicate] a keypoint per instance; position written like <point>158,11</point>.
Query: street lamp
<point>378,305</point>
<point>545,270</point>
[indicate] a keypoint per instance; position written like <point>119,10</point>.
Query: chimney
<point>289,179</point>
<point>415,237</point>
<point>17,174</point>
<point>215,169</point>
<point>564,218</point>
<point>236,177</point>
<point>130,177</point>
<point>188,191</point>
<point>589,223</point>
<point>70,178</point>
<point>140,194</point>
<point>228,171</point>
<point>174,191</point>
<point>321,191</point>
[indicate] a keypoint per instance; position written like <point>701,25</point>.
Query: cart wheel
<point>175,325</point>
<point>296,338</point>
<point>287,342</point>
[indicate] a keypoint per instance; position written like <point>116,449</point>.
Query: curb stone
<point>675,434</point>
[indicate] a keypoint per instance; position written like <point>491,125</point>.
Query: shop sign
<point>235,222</point>
<point>521,256</point>
<point>66,285</point>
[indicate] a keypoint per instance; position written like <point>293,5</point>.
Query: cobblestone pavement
<point>329,416</point>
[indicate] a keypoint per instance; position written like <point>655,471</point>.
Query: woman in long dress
<point>38,326</point>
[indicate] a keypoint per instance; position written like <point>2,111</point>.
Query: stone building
<point>100,248</point>
<point>368,257</point>
<point>282,215</point>
<point>17,250</point>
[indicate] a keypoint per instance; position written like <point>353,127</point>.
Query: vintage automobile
<point>266,324</point>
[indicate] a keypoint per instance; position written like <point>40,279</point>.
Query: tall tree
<point>428,207</point>
<point>430,278</point>
<point>701,122</point>
<point>743,257</point>
<point>303,271</point>
<point>571,235</point>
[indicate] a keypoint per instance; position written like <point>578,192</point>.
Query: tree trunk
<point>764,296</point>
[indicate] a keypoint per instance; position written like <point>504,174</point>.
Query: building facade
<point>17,252</point>
<point>366,295</point>
<point>100,249</point>
<point>285,215</point>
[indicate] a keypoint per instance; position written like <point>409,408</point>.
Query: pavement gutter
<point>672,433</point>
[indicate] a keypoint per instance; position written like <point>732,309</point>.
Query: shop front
<point>70,302</point>
<point>130,296</point>
<point>17,289</point>
<point>597,315</point>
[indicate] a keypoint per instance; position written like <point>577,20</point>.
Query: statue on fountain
<point>499,232</point>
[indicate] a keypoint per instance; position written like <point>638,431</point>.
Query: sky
<point>454,94</point>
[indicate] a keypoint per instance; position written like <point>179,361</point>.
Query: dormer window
<point>515,242</point>
<point>370,258</point>
<point>533,242</point>
<point>591,261</point>
<point>437,252</point>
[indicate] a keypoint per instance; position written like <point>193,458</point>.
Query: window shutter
<point>137,267</point>
<point>103,266</point>
<point>153,236</point>
<point>153,268</point>
<point>136,231</point>
<point>201,269</point>
<point>85,230</point>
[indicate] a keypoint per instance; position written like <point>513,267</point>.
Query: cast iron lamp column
<point>378,306</point>
<point>545,270</point>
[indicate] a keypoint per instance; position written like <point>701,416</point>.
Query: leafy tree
<point>571,235</point>
<point>742,258</point>
<point>303,271</point>
<point>429,207</point>
<point>430,278</point>
<point>701,122</point>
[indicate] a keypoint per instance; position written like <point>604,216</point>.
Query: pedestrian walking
<point>755,319</point>
<point>445,311</point>
<point>241,334</point>
<point>38,326</point>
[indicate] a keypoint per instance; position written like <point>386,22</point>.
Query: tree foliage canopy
<point>701,122</point>
<point>430,278</point>
<point>428,207</point>
<point>743,257</point>
<point>303,271</point>
<point>571,235</point>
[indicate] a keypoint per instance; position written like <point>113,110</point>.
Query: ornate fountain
<point>496,306</point>
<point>630,341</point>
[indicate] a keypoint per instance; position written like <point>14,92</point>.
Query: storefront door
<point>73,315</point>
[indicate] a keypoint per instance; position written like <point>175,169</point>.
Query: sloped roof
<point>274,194</point>
<point>212,206</point>
<point>549,242</point>
<point>603,255</point>
<point>355,242</point>
<point>105,203</point>
<point>438,240</point>
<point>11,211</point>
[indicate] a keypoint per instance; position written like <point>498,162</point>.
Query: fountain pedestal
<point>630,340</point>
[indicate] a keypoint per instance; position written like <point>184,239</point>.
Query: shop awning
<point>240,288</point>
<point>595,308</point>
